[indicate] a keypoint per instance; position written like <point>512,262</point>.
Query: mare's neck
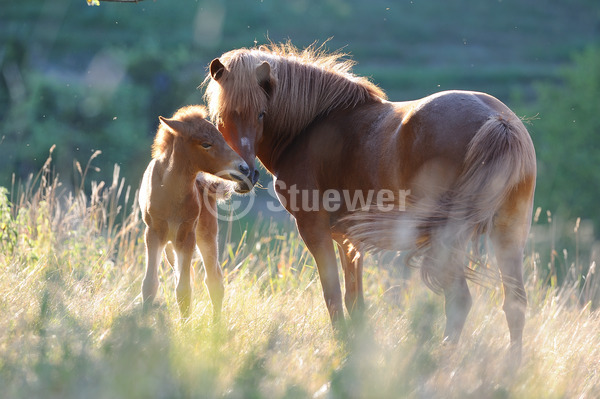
<point>268,152</point>
<point>276,146</point>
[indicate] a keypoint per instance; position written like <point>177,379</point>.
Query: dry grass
<point>71,326</point>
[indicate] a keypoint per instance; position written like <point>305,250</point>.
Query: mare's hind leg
<point>154,247</point>
<point>509,234</point>
<point>206,239</point>
<point>457,304</point>
<point>445,264</point>
<point>352,265</point>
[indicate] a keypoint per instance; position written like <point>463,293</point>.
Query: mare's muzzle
<point>247,179</point>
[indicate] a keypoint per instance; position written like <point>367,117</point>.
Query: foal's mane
<point>163,141</point>
<point>308,83</point>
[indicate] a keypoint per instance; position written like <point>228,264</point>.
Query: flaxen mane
<point>163,141</point>
<point>306,84</point>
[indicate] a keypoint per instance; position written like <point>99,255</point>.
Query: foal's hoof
<point>152,307</point>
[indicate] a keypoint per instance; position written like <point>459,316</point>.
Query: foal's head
<point>196,142</point>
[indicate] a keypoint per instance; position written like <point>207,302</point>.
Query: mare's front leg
<point>206,239</point>
<point>184,246</point>
<point>352,264</point>
<point>155,243</point>
<point>315,231</point>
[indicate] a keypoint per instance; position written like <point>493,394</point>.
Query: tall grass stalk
<point>71,324</point>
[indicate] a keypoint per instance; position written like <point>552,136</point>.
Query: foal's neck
<point>178,173</point>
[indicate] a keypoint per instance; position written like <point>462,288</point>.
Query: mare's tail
<point>499,156</point>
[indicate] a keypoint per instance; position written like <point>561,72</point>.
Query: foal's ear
<point>217,70</point>
<point>263,75</point>
<point>175,126</point>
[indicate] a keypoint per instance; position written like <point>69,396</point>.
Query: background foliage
<point>566,137</point>
<point>96,78</point>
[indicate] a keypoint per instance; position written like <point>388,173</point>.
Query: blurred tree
<point>566,139</point>
<point>79,119</point>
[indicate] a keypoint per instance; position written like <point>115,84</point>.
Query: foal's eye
<point>206,145</point>
<point>261,115</point>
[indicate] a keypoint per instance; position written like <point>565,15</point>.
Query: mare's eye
<point>261,115</point>
<point>206,145</point>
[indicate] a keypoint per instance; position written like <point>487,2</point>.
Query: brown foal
<point>178,201</point>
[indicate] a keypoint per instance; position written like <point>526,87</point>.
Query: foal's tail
<point>499,157</point>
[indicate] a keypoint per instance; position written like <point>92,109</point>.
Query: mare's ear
<point>175,126</point>
<point>217,70</point>
<point>265,80</point>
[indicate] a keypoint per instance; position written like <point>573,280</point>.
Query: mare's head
<point>272,93</point>
<point>201,147</point>
<point>241,88</point>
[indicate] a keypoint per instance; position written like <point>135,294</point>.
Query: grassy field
<point>71,324</point>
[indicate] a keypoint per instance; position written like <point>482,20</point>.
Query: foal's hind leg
<point>154,247</point>
<point>206,239</point>
<point>509,234</point>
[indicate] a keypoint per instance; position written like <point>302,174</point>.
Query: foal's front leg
<point>184,246</point>
<point>206,239</point>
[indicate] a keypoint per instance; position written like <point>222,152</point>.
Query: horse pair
<point>466,159</point>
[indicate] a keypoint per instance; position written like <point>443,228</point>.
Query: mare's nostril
<point>244,169</point>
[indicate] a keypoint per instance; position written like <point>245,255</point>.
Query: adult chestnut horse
<point>465,158</point>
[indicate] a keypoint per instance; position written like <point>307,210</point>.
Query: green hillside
<point>96,78</point>
<point>408,47</point>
